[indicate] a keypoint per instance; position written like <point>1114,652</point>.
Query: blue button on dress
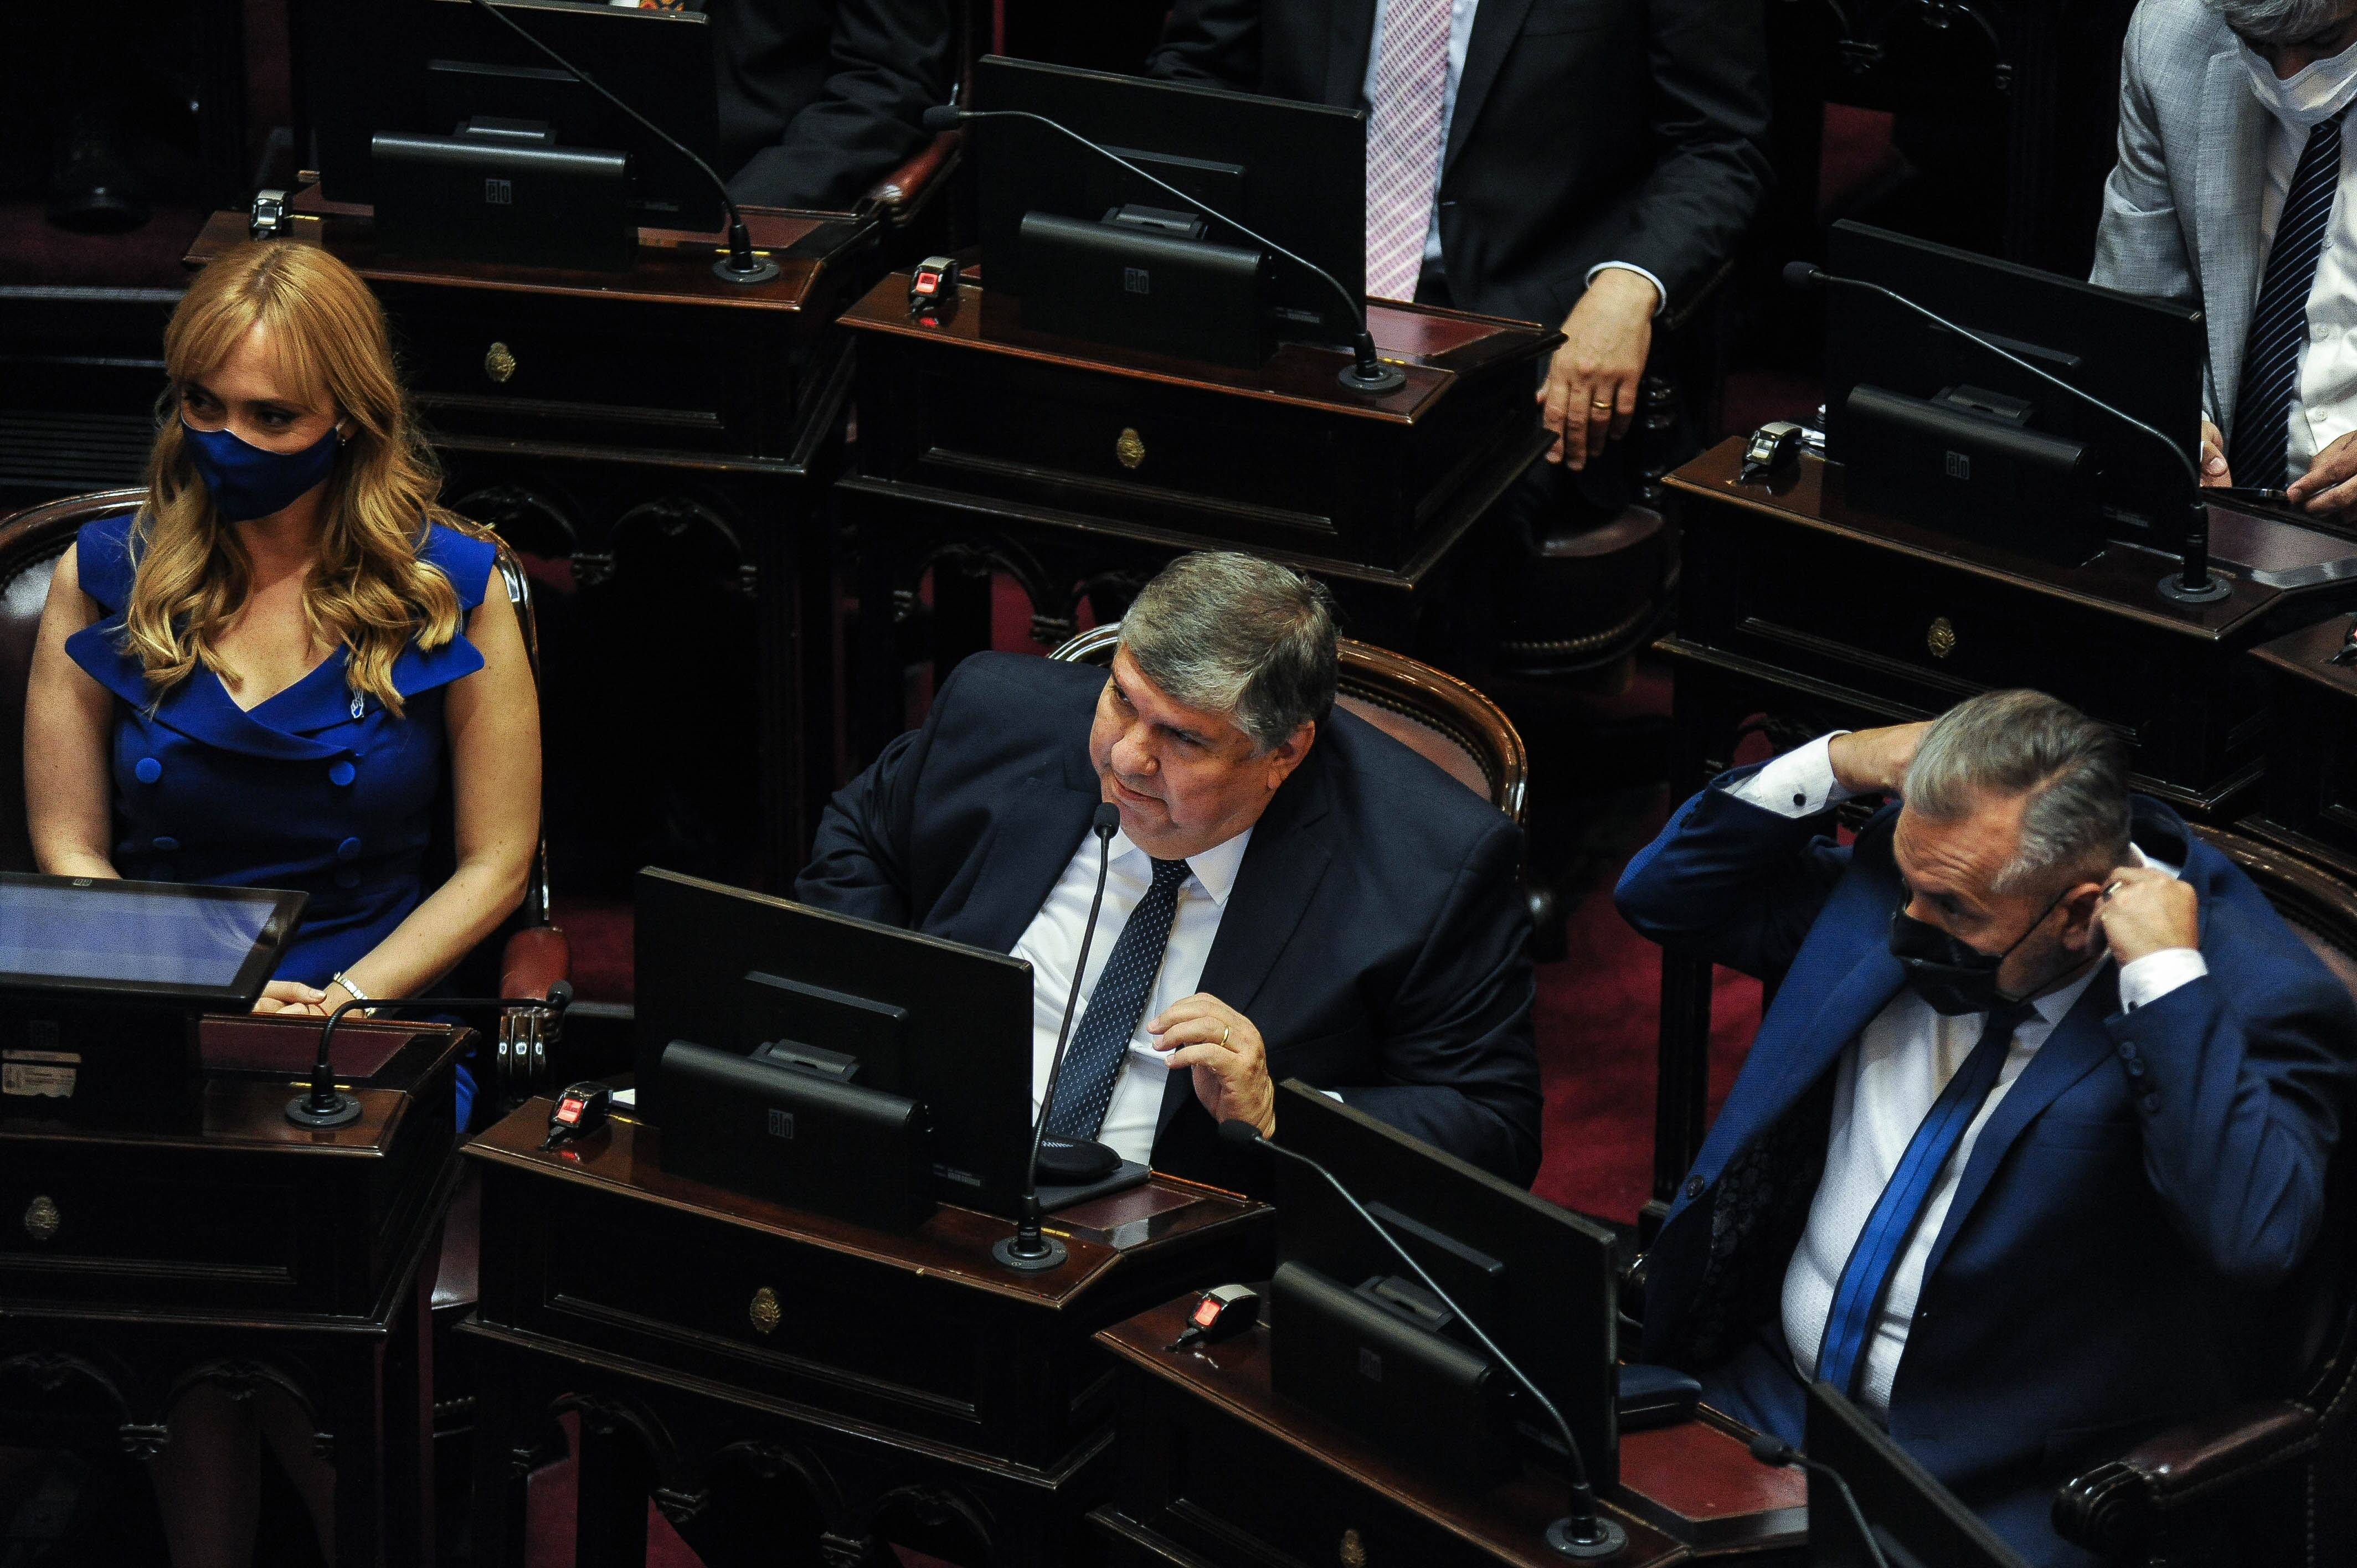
<point>316,789</point>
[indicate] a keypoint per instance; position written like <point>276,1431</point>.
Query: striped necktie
<point>1866,1278</point>
<point>2258,454</point>
<point>1403,142</point>
<point>1085,1088</point>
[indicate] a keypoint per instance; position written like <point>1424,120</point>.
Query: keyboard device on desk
<point>101,983</point>
<point>850,1068</point>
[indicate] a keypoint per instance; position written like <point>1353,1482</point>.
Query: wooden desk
<point>2308,804</point>
<point>242,1251</point>
<point>1802,612</point>
<point>658,443</point>
<point>1216,1470</point>
<point>1081,468</point>
<point>782,1382</point>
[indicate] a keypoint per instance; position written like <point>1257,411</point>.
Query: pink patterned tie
<point>1403,142</point>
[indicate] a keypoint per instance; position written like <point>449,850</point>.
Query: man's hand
<point>291,998</point>
<point>1590,392</point>
<point>2144,911</point>
<point>1875,761</point>
<point>1223,1051</point>
<point>2214,456</point>
<point>2330,483</point>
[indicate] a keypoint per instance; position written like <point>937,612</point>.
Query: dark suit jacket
<point>819,99</point>
<point>1585,130</point>
<point>1375,935</point>
<point>2146,1176</point>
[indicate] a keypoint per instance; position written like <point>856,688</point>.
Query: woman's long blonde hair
<point>369,592</point>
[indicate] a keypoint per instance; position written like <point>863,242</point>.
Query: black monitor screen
<point>68,934</point>
<point>1918,1522</point>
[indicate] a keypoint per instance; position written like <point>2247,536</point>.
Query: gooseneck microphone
<point>1770,1449</point>
<point>1031,1249</point>
<point>742,263</point>
<point>1367,373</point>
<point>2193,585</point>
<point>1584,1532</point>
<point>324,1105</point>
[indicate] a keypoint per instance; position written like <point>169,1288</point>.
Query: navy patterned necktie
<point>1094,1061</point>
<point>2259,452</point>
<point>1865,1277</point>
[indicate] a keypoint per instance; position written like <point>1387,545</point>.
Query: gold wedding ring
<point>1225,1030</point>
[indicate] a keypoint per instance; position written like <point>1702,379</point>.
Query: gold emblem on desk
<point>1354,1553</point>
<point>42,1220</point>
<point>497,363</point>
<point>1130,449</point>
<point>1940,638</point>
<point>765,1312</point>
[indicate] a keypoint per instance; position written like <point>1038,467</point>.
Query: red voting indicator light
<point>929,283</point>
<point>569,1112</point>
<point>1207,1312</point>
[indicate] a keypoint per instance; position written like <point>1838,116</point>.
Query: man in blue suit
<point>2044,1101</point>
<point>1291,893</point>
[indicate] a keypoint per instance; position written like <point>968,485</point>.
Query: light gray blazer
<point>2181,208</point>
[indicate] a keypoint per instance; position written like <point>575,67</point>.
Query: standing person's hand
<point>2214,456</point>
<point>2330,485</point>
<point>1590,392</point>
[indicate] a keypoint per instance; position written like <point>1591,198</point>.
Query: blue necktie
<point>2258,453</point>
<point>1857,1299</point>
<point>1094,1059</point>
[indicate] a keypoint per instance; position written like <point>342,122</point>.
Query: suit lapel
<point>1495,26</point>
<point>1291,847</point>
<point>2078,1046</point>
<point>1031,842</point>
<point>2228,177</point>
<point>1350,33</point>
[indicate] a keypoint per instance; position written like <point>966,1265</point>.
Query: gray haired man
<point>2234,143</point>
<point>2043,1104</point>
<point>1291,893</point>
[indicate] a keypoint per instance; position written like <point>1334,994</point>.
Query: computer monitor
<point>423,67</point>
<point>933,1021</point>
<point>1295,172</point>
<point>1932,427</point>
<point>1917,1521</point>
<point>1537,1278</point>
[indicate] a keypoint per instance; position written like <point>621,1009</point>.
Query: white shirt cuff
<point>1798,784</point>
<point>2155,975</point>
<point>1661,295</point>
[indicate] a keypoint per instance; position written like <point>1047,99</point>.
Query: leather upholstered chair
<point>2276,1478</point>
<point>530,954</point>
<point>1437,717</point>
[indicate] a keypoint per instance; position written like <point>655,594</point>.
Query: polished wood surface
<point>1216,1469</point>
<point>242,1251</point>
<point>692,1325</point>
<point>1802,612</point>
<point>1698,1481</point>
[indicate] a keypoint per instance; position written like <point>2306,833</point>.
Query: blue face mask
<point>247,482</point>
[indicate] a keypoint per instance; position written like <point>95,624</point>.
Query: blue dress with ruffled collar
<point>316,789</point>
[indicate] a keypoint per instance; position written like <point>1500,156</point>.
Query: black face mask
<point>1951,975</point>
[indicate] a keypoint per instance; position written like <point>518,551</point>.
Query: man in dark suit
<point>1291,893</point>
<point>820,99</point>
<point>2043,1104</point>
<point>1587,162</point>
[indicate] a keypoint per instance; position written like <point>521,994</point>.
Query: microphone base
<point>1003,1252</point>
<point>1562,1542</point>
<point>347,1111</point>
<point>763,270</point>
<point>2172,587</point>
<point>1387,377</point>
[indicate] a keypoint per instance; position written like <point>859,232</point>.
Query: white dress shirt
<point>1052,941</point>
<point>1884,1086</point>
<point>2324,395</point>
<point>1460,34</point>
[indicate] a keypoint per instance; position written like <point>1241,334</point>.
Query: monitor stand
<point>1128,1174</point>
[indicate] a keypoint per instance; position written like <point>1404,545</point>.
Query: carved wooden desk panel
<point>722,1347</point>
<point>2308,803</point>
<point>1217,1471</point>
<point>1079,469</point>
<point>236,1248</point>
<point>1802,613</point>
<point>661,441</point>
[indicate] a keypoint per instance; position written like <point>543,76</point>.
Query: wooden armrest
<point>2119,1505</point>
<point>535,958</point>
<point>911,179</point>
